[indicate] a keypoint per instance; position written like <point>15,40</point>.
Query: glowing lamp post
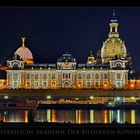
<point>48,97</point>
<point>91,97</point>
<point>6,97</point>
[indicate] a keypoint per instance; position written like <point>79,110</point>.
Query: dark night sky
<point>50,32</point>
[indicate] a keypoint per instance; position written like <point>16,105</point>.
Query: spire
<point>114,13</point>
<point>23,41</point>
<point>114,19</point>
<point>114,26</point>
<point>91,53</point>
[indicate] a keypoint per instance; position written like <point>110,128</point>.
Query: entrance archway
<point>66,84</point>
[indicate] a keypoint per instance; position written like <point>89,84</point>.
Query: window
<point>118,76</point>
<point>79,76</point>
<point>53,76</point>
<point>44,84</point>
<point>15,76</point>
<point>118,84</point>
<point>113,29</point>
<point>53,84</point>
<point>105,76</point>
<point>69,75</point>
<point>96,84</point>
<point>36,84</point>
<point>88,84</point>
<point>44,76</point>
<point>36,76</point>
<point>79,84</point>
<point>96,76</point>
<point>28,84</point>
<point>88,76</point>
<point>66,76</point>
<point>15,84</point>
<point>27,76</point>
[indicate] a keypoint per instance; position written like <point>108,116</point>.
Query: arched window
<point>113,29</point>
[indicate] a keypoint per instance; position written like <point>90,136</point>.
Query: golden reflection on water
<point>105,116</point>
<point>78,116</point>
<point>91,116</point>
<point>110,116</point>
<point>75,116</point>
<point>48,115</point>
<point>4,119</point>
<point>118,116</point>
<point>53,116</point>
<point>133,116</point>
<point>26,117</point>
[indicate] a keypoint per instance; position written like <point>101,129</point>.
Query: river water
<point>73,116</point>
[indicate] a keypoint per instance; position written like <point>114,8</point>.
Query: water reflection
<point>14,116</point>
<point>74,116</point>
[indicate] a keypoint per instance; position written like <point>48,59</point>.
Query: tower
<point>90,59</point>
<point>113,46</point>
<point>114,26</point>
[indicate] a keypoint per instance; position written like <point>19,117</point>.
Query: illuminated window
<point>105,84</point>
<point>28,84</point>
<point>79,84</point>
<point>15,76</point>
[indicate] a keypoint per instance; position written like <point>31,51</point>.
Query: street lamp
<point>76,98</point>
<point>132,98</point>
<point>91,97</point>
<point>118,98</point>
<point>6,97</point>
<point>48,97</point>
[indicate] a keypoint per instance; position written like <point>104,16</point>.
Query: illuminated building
<point>107,71</point>
<point>24,53</point>
<point>113,46</point>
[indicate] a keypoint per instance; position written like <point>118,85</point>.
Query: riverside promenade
<point>67,93</point>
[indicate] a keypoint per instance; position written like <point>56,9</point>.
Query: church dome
<point>24,53</point>
<point>113,45</point>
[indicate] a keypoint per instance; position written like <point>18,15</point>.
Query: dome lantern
<point>114,26</point>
